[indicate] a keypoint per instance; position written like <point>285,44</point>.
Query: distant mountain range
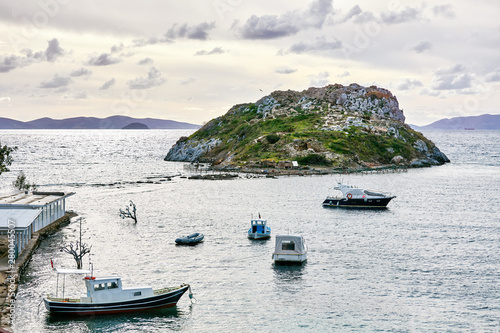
<point>113,122</point>
<point>483,122</point>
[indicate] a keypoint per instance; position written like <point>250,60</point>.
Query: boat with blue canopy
<point>259,229</point>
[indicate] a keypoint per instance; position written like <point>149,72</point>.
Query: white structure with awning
<point>27,213</point>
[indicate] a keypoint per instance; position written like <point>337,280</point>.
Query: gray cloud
<point>405,15</point>
<point>354,11</point>
<point>104,59</point>
<point>317,13</point>
<point>150,41</point>
<point>451,78</point>
<point>422,46</point>
<point>61,90</point>
<point>11,62</point>
<point>364,17</point>
<point>80,95</point>
<point>145,61</point>
<point>153,79</point>
<point>445,11</point>
<point>117,48</point>
<point>273,26</point>
<point>493,76</point>
<point>56,82</point>
<point>285,70</point>
<point>408,84</point>
<point>53,51</point>
<point>199,31</point>
<point>8,63</point>
<point>145,41</point>
<point>80,72</point>
<point>216,50</point>
<point>321,44</point>
<point>107,84</point>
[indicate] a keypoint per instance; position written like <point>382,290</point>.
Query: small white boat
<point>289,249</point>
<point>259,229</point>
<point>106,295</point>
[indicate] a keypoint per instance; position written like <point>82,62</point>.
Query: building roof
<point>31,199</point>
<point>22,218</point>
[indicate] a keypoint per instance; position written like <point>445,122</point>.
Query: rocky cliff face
<point>337,126</point>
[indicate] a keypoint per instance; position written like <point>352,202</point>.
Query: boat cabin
<point>290,248</point>
<point>289,244</point>
<point>100,290</point>
<point>350,192</point>
<point>258,226</point>
<point>109,289</point>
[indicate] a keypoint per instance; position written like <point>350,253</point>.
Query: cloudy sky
<point>192,60</point>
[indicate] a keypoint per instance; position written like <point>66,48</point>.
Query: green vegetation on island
<point>334,126</point>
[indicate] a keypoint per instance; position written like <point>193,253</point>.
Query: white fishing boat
<point>289,249</point>
<point>259,229</point>
<point>106,295</point>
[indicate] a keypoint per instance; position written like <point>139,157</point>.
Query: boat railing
<point>337,197</point>
<point>65,300</point>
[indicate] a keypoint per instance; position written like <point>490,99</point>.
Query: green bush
<point>272,138</point>
<point>314,159</point>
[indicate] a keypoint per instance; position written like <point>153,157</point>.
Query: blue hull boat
<point>259,229</point>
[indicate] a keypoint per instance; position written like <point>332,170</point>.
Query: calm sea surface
<point>429,263</point>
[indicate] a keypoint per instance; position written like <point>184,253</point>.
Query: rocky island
<point>334,127</point>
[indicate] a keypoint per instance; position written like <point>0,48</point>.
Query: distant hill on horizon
<point>113,122</point>
<point>482,122</point>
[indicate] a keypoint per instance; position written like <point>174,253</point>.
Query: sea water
<point>429,262</point>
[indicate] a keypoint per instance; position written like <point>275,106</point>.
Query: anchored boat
<point>192,239</point>
<point>259,229</point>
<point>356,197</point>
<point>289,249</point>
<point>106,295</point>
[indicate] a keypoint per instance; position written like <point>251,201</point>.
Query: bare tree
<point>77,250</point>
<point>127,213</point>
